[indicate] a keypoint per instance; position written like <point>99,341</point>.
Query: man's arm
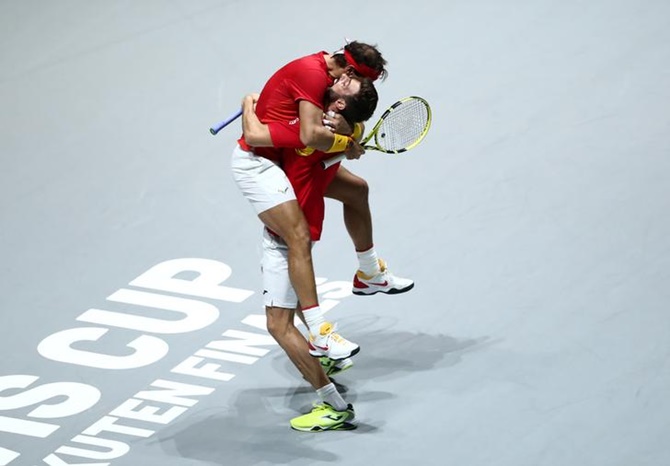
<point>259,134</point>
<point>314,134</point>
<point>256,134</point>
<point>273,134</point>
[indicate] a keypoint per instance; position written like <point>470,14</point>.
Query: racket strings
<point>404,126</point>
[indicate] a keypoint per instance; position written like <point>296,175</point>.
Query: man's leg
<point>280,303</point>
<point>333,413</point>
<point>292,341</point>
<point>288,221</point>
<point>267,188</point>
<point>264,184</point>
<point>280,291</point>
<point>353,191</point>
<point>373,276</point>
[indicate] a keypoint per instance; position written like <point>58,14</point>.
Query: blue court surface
<point>534,219</point>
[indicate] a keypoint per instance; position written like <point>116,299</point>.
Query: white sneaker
<point>383,282</point>
<point>331,344</point>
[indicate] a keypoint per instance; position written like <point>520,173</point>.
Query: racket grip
<point>219,126</point>
<point>332,161</point>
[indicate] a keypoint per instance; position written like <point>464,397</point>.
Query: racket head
<point>401,127</point>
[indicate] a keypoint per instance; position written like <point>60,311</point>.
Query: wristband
<point>358,131</point>
<point>340,144</point>
<point>305,151</point>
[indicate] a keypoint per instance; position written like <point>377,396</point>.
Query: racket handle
<point>332,161</point>
<point>219,126</point>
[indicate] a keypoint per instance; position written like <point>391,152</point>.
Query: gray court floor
<point>534,220</point>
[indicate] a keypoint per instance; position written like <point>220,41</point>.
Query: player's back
<point>305,78</point>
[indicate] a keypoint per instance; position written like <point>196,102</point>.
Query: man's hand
<point>251,99</point>
<point>354,150</point>
<point>337,124</point>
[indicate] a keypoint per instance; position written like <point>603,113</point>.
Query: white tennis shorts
<point>277,288</point>
<point>261,181</point>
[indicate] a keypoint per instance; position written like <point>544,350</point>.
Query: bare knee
<point>298,238</point>
<point>279,321</point>
<point>360,188</point>
<point>357,193</point>
<point>349,189</point>
<point>288,221</point>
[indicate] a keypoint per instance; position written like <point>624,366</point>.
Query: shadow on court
<point>253,428</point>
<point>254,431</point>
<point>387,354</point>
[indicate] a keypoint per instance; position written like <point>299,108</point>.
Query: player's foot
<point>324,417</point>
<point>331,344</point>
<point>383,282</point>
<point>331,367</point>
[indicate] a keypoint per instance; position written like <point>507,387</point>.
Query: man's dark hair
<point>361,106</point>
<point>364,54</point>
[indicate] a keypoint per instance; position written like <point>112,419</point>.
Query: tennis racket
<point>219,126</point>
<point>402,126</point>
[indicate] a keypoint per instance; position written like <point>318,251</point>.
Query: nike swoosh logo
<point>336,418</point>
<point>325,348</point>
<point>385,283</point>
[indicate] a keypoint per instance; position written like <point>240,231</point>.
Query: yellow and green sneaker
<point>331,367</point>
<point>324,417</point>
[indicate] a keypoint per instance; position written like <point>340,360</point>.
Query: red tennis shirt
<point>305,78</point>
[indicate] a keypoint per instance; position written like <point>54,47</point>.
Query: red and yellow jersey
<point>305,78</point>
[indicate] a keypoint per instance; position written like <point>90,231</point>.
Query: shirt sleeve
<point>285,134</point>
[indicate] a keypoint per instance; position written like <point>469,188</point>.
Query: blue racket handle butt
<point>219,126</point>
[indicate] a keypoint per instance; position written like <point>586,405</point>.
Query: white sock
<point>313,318</point>
<point>368,263</point>
<point>330,395</point>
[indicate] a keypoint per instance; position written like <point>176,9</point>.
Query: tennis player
<point>309,182</point>
<point>295,93</point>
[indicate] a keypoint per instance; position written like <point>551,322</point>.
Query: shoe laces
<point>325,406</point>
<point>321,406</point>
<point>337,337</point>
<point>326,328</point>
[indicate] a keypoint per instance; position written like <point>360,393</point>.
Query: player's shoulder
<point>313,62</point>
